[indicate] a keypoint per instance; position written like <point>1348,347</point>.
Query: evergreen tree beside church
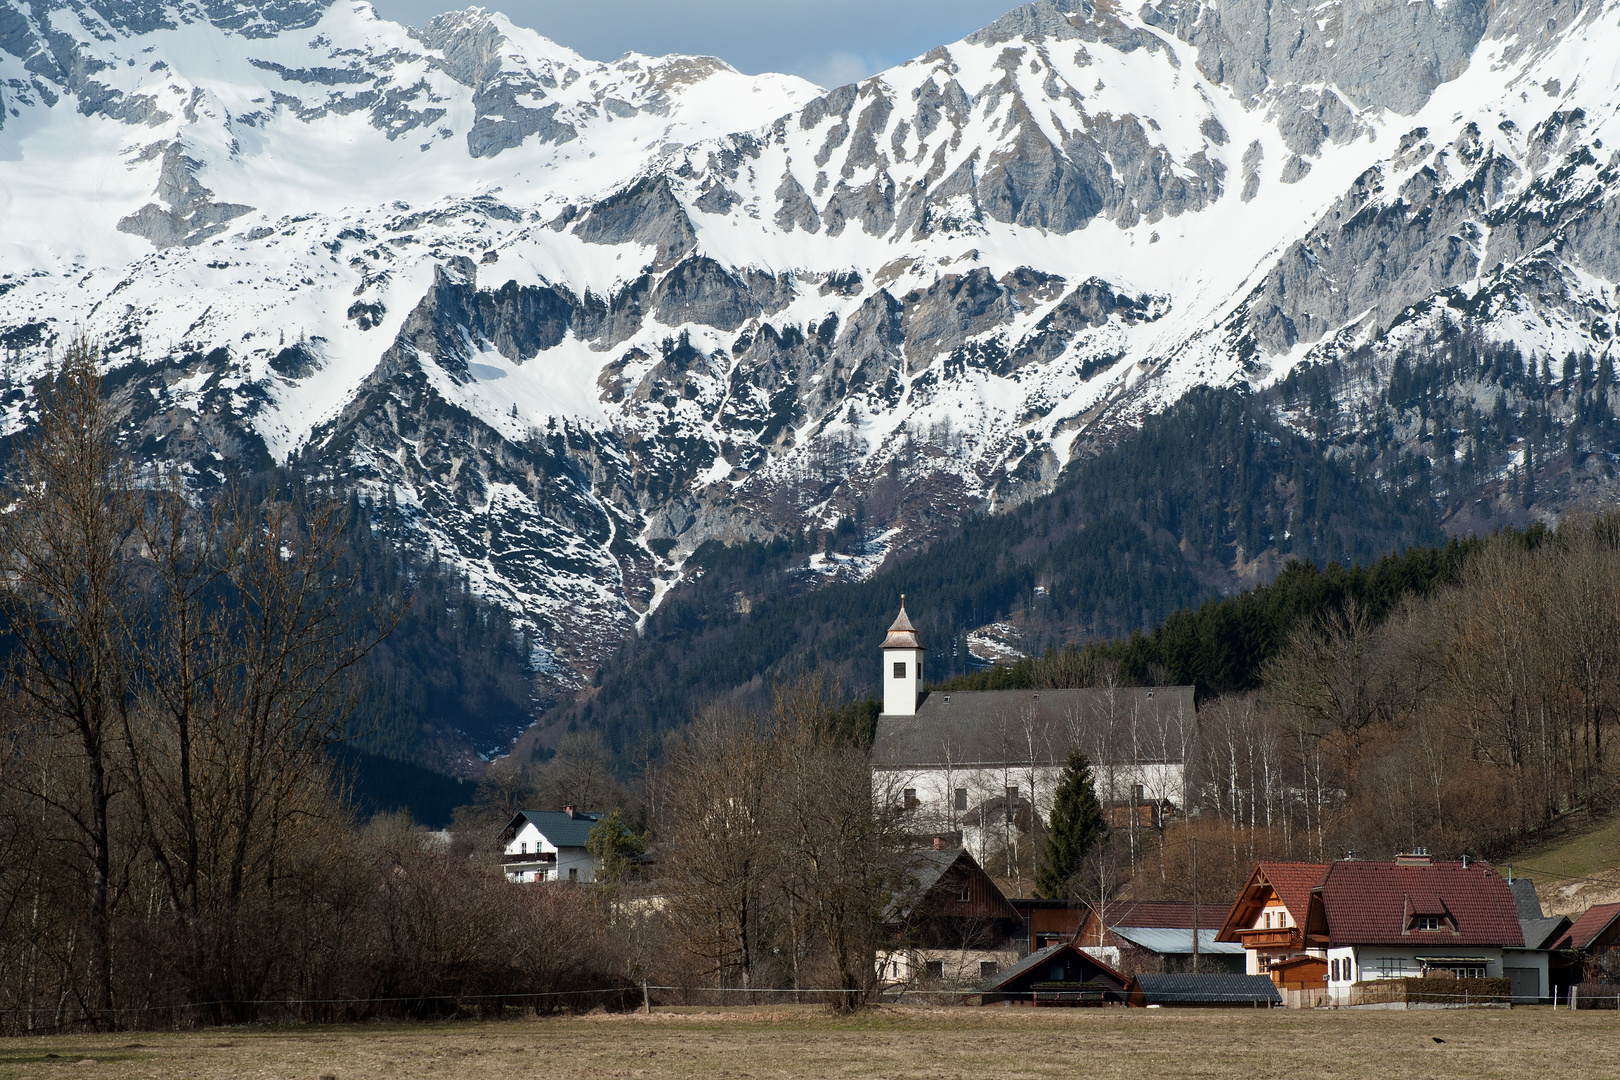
<point>1077,827</point>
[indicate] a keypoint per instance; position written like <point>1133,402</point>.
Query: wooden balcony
<point>535,858</point>
<point>1283,937</point>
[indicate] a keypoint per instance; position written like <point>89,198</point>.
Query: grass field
<point>1574,871</point>
<point>974,1044</point>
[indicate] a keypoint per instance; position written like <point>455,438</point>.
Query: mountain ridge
<point>568,322</point>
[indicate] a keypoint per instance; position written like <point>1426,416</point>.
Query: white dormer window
<point>1426,922</point>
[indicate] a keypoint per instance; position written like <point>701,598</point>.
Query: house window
<point>523,848</point>
<point>911,798</point>
<point>961,798</point>
<point>1335,973</point>
<point>988,968</point>
<point>934,969</point>
<point>964,894</point>
<point>1268,920</point>
<point>573,873</point>
<point>1426,922</point>
<point>900,669</point>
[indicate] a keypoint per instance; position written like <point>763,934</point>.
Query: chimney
<point>571,812</point>
<point>1415,857</point>
<point>939,843</point>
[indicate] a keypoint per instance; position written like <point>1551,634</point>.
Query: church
<point>981,763</point>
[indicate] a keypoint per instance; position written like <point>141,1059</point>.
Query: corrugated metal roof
<point>1371,903</point>
<point>1172,942</point>
<point>1002,727</point>
<point>1208,989</point>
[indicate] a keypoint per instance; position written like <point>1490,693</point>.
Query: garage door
<point>1524,984</point>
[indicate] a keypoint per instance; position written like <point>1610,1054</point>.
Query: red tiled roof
<point>1164,914</point>
<point>1371,903</point>
<point>1293,882</point>
<point>1589,926</point>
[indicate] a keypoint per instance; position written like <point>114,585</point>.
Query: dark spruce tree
<point>1077,826</point>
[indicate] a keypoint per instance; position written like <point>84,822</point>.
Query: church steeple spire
<point>902,666</point>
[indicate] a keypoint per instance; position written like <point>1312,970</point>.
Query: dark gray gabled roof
<point>1525,899</point>
<point>557,827</point>
<point>1000,727</point>
<point>928,865</point>
<point>1208,989</point>
<point>1033,960</point>
<point>1539,933</point>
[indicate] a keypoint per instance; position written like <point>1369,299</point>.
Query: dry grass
<point>975,1044</point>
<point>1576,870</point>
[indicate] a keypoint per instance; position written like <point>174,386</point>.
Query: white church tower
<point>902,667</point>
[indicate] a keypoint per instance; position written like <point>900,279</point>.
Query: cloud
<point>826,41</point>
<point>835,69</point>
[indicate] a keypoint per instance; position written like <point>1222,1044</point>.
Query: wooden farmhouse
<point>952,926</point>
<point>984,764</point>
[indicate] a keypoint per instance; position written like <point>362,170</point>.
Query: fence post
<point>646,998</point>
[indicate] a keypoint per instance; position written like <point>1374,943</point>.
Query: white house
<point>1414,917</point>
<point>981,761</point>
<point>546,845</point>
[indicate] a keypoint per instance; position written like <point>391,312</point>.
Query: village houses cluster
<point>976,768</point>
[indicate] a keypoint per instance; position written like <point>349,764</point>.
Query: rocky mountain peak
<point>576,319</point>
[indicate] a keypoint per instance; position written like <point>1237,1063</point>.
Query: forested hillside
<point>1151,525</point>
<point>1223,645</point>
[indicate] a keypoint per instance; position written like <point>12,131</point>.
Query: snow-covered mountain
<point>573,319</point>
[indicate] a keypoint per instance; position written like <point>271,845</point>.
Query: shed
<point>1057,975</point>
<point>1173,947</point>
<point>1592,945</point>
<point>1228,991</point>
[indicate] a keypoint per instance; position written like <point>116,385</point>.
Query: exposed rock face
<point>572,320</point>
<point>189,215</point>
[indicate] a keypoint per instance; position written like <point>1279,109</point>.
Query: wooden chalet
<point>1268,919</point>
<point>1058,975</point>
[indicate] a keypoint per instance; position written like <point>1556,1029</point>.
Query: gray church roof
<point>1000,727</point>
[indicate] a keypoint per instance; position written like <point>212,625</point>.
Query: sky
<point>829,42</point>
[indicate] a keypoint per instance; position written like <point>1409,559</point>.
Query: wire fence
<point>630,997</point>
